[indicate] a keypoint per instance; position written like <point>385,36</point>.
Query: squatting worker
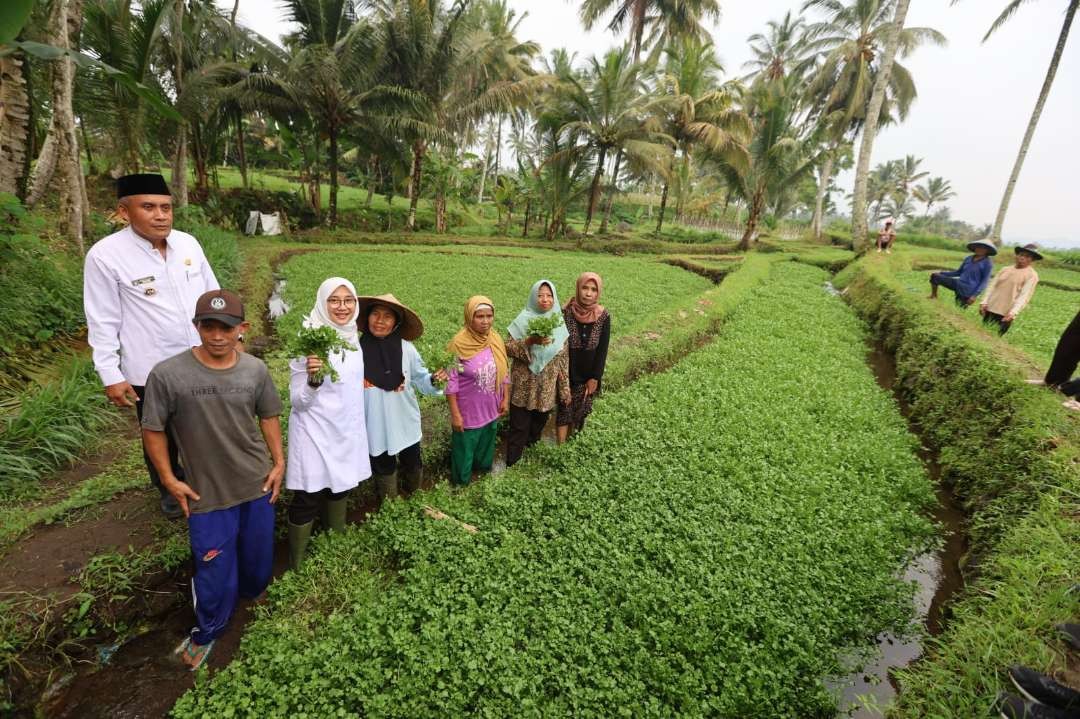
<point>971,279</point>
<point>887,236</point>
<point>139,290</point>
<point>1011,289</point>
<point>223,410</point>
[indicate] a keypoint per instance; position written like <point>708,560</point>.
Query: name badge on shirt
<point>143,280</point>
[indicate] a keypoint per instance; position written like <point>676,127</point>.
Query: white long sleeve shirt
<point>327,439</point>
<point>393,418</point>
<point>139,304</point>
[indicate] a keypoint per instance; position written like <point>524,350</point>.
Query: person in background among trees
<point>208,398</point>
<point>1011,289</point>
<point>886,237</point>
<point>328,449</point>
<point>539,371</point>
<point>589,327</point>
<point>1062,367</point>
<point>971,279</point>
<point>392,368</point>
<point>139,291</point>
<point>477,392</point>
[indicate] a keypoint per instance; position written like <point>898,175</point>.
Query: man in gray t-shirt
<point>223,410</point>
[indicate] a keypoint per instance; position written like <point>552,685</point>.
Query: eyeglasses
<point>347,302</point>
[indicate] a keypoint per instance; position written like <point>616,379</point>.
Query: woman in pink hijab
<point>589,325</point>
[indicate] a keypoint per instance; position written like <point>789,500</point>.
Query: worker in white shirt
<point>139,291</point>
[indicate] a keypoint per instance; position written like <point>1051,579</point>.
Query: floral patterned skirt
<point>579,408</point>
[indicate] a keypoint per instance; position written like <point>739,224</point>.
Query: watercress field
<point>720,536</point>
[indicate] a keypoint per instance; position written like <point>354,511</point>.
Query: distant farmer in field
<point>328,449</point>
<point>971,279</point>
<point>139,290</point>
<point>209,397</point>
<point>392,368</point>
<point>539,370</point>
<point>477,392</point>
<point>1063,365</point>
<point>589,327</point>
<point>886,236</point>
<point>1011,289</point>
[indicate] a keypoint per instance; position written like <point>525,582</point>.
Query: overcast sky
<point>974,99</point>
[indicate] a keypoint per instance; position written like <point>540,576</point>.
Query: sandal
<point>193,655</point>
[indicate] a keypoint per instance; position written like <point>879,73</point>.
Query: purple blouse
<point>478,398</point>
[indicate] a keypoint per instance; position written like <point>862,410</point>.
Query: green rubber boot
<point>411,481</point>
<point>386,486</point>
<point>299,534</point>
<point>335,514</point>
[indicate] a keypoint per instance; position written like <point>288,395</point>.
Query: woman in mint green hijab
<point>539,372</point>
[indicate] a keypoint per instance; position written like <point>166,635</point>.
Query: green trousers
<point>472,449</point>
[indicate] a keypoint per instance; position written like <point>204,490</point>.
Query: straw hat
<point>411,326</point>
<point>1031,248</point>
<point>983,243</point>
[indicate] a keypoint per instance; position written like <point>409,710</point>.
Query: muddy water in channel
<point>936,573</point>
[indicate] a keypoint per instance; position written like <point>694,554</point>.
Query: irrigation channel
<point>137,678</point>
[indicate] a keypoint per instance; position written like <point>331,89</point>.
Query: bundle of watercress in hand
<point>544,327</point>
<point>320,341</point>
<point>443,360</point>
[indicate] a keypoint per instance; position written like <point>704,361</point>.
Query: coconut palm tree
<point>666,19</point>
<point>613,112</point>
<point>781,152</point>
<point>781,50</point>
<point>852,40</point>
<point>935,191</point>
<point>1051,72</point>
<point>908,173</point>
<point>873,114</point>
<point>429,52</point>
<point>698,112</point>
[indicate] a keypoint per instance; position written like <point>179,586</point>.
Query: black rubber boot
<point>386,486</point>
<point>411,481</point>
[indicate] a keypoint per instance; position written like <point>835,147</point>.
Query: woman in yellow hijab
<point>477,391</point>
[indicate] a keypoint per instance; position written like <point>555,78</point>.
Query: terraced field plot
<point>715,541</point>
<point>1037,329</point>
<point>436,284</point>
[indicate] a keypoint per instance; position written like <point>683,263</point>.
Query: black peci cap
<point>141,184</point>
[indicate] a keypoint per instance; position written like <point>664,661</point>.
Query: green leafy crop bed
<point>436,284</point>
<point>715,540</point>
<point>1036,330</point>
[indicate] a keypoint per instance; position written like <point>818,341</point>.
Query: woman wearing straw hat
<point>970,280</point>
<point>328,457</point>
<point>392,368</point>
<point>1011,290</point>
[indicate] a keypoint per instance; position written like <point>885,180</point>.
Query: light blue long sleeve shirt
<point>393,418</point>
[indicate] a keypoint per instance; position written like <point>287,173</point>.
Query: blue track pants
<point>233,551</point>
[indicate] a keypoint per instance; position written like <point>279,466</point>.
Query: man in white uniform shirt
<point>139,291</point>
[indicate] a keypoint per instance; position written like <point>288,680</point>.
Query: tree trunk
<point>684,184</point>
<point>333,175</point>
<point>663,208</point>
<point>179,165</point>
<point>999,221</point>
<point>873,111</point>
<point>611,193</point>
<point>528,209</point>
<point>819,202</point>
<point>86,146</point>
<point>484,171</point>
<point>757,204</point>
<point>202,179</point>
<point>241,153</point>
<point>373,167</point>
<point>14,122</point>
<point>637,26</point>
<point>414,183</point>
<point>498,146</point>
<point>594,191</point>
<point>440,212</point>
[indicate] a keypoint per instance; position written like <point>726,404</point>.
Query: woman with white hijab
<point>328,452</point>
